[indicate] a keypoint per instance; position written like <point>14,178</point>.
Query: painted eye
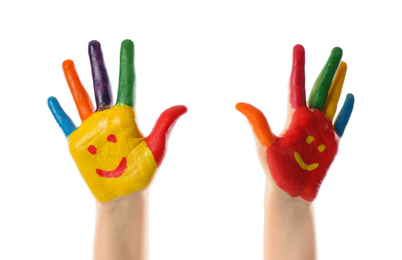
<point>92,149</point>
<point>112,138</point>
<point>310,139</point>
<point>321,148</point>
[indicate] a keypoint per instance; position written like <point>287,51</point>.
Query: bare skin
<point>122,228</point>
<point>289,228</point>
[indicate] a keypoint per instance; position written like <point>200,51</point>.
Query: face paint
<point>299,160</point>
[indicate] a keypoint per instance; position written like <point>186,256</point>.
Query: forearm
<point>289,231</point>
<point>122,228</point>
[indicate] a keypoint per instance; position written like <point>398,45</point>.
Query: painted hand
<point>110,152</point>
<point>298,159</point>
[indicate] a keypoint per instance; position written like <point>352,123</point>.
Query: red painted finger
<point>159,136</point>
<point>258,123</point>
<point>297,92</point>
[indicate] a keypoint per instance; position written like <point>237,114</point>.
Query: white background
<point>207,199</point>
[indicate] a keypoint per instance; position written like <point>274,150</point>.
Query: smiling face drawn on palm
<point>299,159</point>
<point>110,152</point>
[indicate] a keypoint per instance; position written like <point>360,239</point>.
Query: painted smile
<point>303,165</point>
<point>116,172</point>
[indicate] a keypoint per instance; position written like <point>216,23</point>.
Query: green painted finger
<point>319,93</point>
<point>126,93</point>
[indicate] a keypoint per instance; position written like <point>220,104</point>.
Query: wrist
<point>122,227</point>
<point>279,200</point>
<point>123,205</point>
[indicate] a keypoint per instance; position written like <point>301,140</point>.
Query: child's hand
<point>110,152</point>
<point>299,158</point>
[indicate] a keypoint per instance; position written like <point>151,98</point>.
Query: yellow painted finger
<point>335,92</point>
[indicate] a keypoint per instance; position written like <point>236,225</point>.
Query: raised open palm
<point>298,159</point>
<point>110,152</point>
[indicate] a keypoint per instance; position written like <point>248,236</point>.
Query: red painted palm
<point>299,158</point>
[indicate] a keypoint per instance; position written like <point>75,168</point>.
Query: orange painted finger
<point>258,123</point>
<point>80,95</point>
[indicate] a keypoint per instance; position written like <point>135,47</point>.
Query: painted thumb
<point>258,123</point>
<point>157,139</point>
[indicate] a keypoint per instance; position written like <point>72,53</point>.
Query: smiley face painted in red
<point>121,168</point>
<point>116,172</point>
<point>299,158</point>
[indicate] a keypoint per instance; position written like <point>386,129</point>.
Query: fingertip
<point>51,100</point>
<point>176,111</point>
<point>181,108</point>
<point>94,50</point>
<point>241,106</point>
<point>298,55</point>
<point>127,43</point>
<point>62,119</point>
<point>68,64</point>
<point>350,97</point>
<point>337,52</point>
<point>53,104</point>
<point>249,111</point>
<point>343,65</point>
<point>349,102</point>
<point>344,115</point>
<point>127,50</point>
<point>258,123</point>
<point>94,44</point>
<point>298,47</point>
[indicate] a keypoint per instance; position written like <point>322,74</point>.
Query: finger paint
<point>335,92</point>
<point>159,136</point>
<point>80,95</point>
<point>344,115</point>
<point>126,92</point>
<point>62,119</point>
<point>319,93</point>
<point>103,93</point>
<point>299,160</point>
<point>297,92</point>
<point>258,123</point>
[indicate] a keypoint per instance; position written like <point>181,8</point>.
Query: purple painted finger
<point>103,93</point>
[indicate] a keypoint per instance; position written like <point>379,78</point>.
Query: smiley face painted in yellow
<point>299,159</point>
<point>111,154</point>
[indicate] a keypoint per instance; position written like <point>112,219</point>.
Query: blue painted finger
<point>61,117</point>
<point>343,117</point>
